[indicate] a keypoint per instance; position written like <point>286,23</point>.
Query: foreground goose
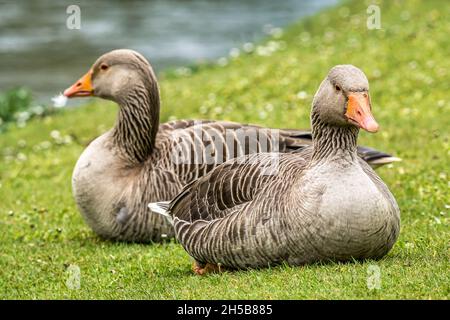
<point>138,161</point>
<point>324,202</point>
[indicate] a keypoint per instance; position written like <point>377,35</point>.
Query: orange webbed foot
<point>202,269</point>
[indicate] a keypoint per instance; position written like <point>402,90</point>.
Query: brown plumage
<point>139,161</point>
<point>319,204</point>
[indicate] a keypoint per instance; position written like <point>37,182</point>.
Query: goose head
<point>113,75</point>
<point>343,99</point>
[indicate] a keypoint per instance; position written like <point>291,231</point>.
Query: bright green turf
<point>408,66</point>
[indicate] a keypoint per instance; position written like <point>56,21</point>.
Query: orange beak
<point>81,88</point>
<point>359,112</point>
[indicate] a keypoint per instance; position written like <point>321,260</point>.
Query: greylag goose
<point>323,203</point>
<point>133,163</point>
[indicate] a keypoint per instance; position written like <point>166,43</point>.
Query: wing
<point>241,135</point>
<point>191,148</point>
<point>225,189</point>
<point>200,145</point>
<point>180,124</point>
<point>374,157</point>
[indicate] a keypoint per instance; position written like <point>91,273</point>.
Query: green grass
<point>41,232</point>
<point>13,107</point>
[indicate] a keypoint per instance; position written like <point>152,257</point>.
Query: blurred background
<point>273,84</point>
<point>38,51</point>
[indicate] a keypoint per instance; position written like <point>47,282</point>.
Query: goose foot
<point>202,269</point>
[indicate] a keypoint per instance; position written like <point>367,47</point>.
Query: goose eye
<point>337,88</point>
<point>104,67</point>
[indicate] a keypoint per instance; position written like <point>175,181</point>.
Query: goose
<point>323,203</point>
<point>140,161</point>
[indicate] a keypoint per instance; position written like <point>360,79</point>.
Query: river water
<point>38,51</point>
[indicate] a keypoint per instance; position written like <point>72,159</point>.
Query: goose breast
<point>96,186</point>
<point>355,215</point>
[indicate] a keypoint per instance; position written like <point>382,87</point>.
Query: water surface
<point>38,51</point>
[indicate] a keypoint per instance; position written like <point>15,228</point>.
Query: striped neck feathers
<point>333,142</point>
<point>138,121</point>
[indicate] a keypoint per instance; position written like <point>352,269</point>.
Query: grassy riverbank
<point>42,234</point>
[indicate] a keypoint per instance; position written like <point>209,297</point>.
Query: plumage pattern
<point>320,203</point>
<point>139,161</point>
<point>106,179</point>
<point>238,217</point>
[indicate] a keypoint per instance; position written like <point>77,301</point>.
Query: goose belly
<point>96,187</point>
<point>351,219</point>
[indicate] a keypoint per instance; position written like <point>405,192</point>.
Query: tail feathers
<point>161,208</point>
<point>376,158</point>
<point>295,140</point>
<point>375,163</point>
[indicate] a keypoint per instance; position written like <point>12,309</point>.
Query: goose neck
<point>333,142</point>
<point>137,124</point>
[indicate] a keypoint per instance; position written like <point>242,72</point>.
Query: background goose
<point>133,163</point>
<point>324,203</point>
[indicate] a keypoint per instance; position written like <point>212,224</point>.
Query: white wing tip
<point>154,207</point>
<point>161,208</point>
<point>386,160</point>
